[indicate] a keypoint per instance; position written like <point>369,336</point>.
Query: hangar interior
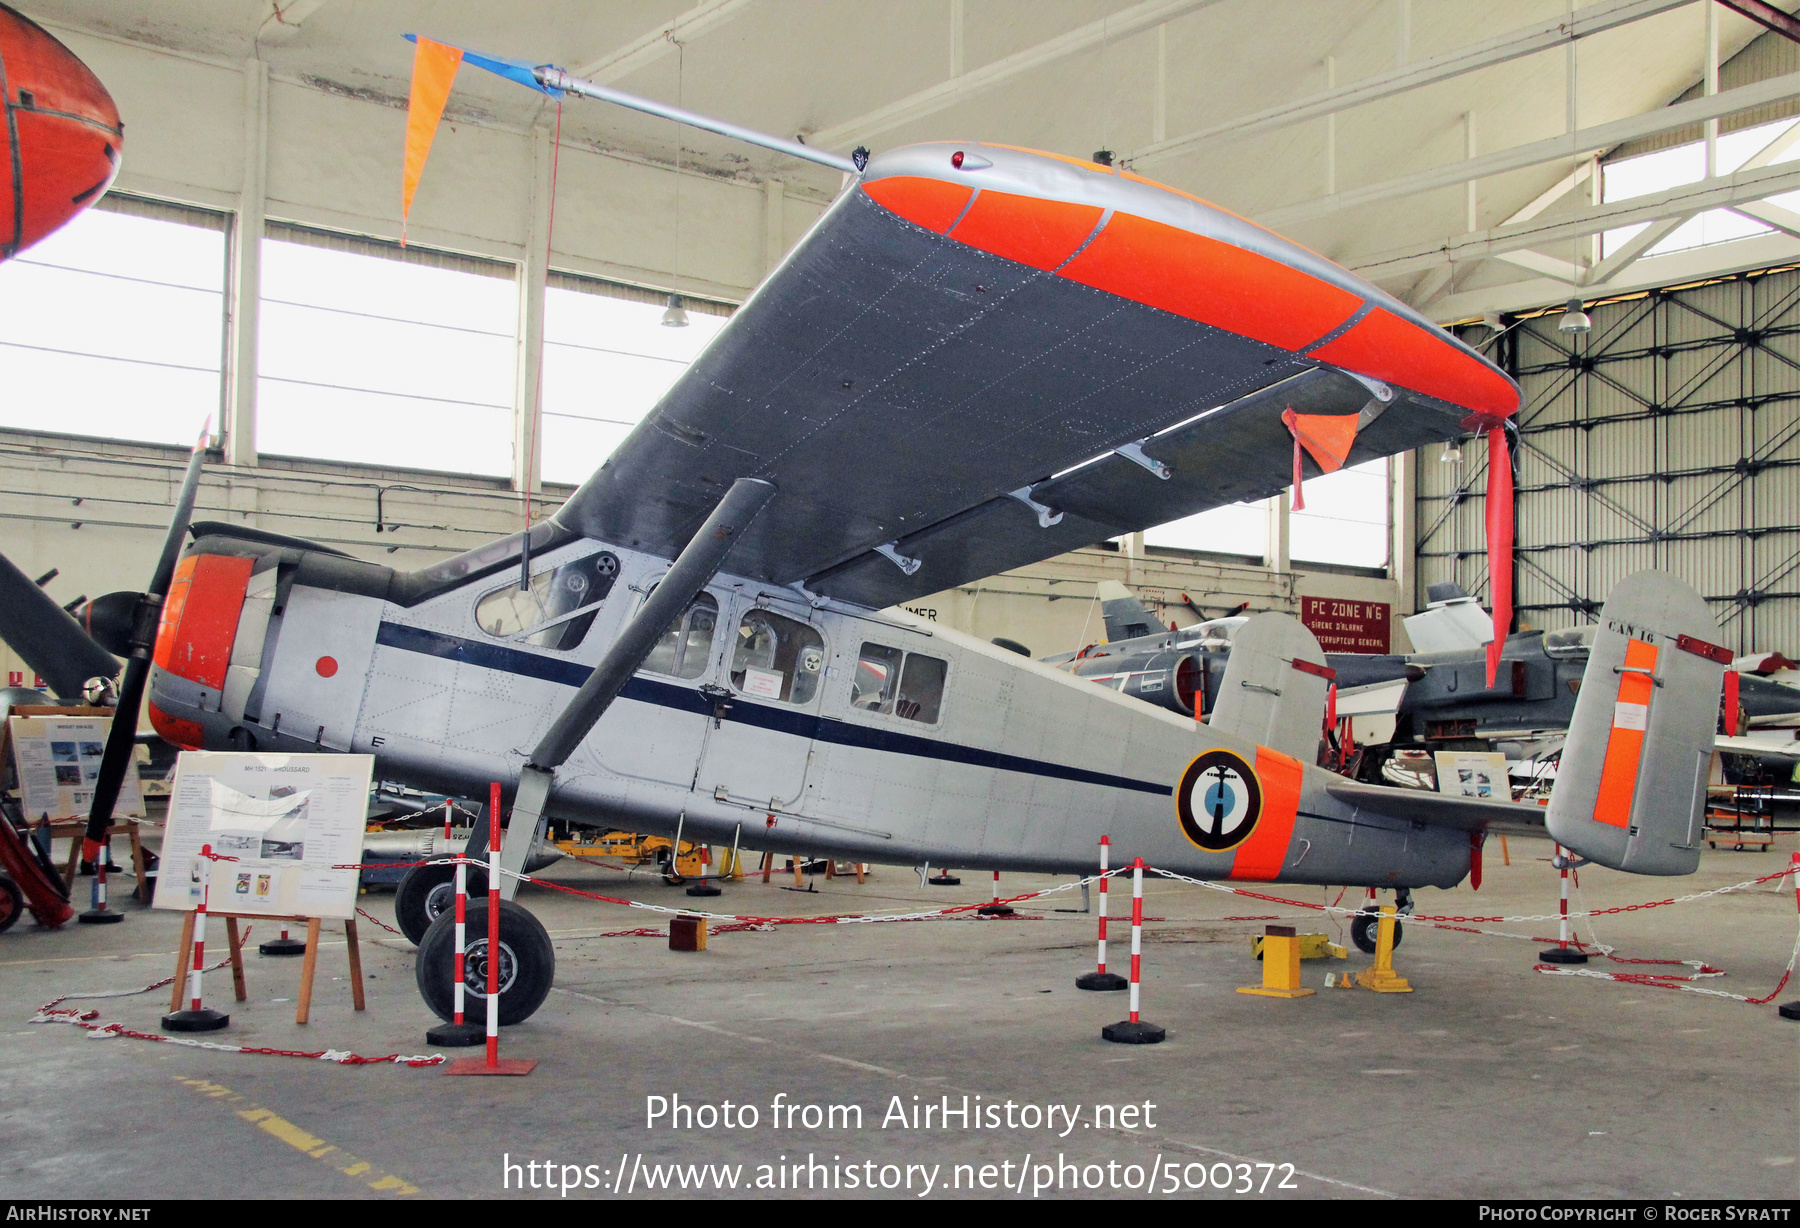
<point>407,391</point>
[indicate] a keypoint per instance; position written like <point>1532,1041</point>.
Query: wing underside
<point>896,381</point>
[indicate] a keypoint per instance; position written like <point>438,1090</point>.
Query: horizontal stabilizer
<point>1441,809</point>
<point>1631,790</point>
<point>1273,693</point>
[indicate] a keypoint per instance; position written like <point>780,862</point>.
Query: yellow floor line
<point>279,1127</point>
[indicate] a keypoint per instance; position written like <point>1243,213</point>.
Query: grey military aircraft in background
<point>1437,698</point>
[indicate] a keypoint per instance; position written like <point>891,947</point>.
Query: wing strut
<point>699,561</point>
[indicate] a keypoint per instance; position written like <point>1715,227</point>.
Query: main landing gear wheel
<point>428,892</point>
<point>1365,928</point>
<point>527,965</point>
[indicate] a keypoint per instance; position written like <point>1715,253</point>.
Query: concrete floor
<point>1491,1080</point>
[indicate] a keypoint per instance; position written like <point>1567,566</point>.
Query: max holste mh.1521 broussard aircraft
<point>979,357</point>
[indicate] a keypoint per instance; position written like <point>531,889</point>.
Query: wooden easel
<point>184,958</point>
<point>76,829</point>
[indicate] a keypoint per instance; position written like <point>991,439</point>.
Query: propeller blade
<point>50,641</point>
<point>121,741</point>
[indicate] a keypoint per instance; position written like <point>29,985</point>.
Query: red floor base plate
<point>479,1066</point>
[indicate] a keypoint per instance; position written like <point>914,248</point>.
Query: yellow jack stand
<point>1312,946</point>
<point>1281,965</point>
<point>1382,978</point>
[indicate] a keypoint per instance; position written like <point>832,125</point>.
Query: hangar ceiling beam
<point>1119,26</point>
<point>1585,22</point>
<point>1536,153</point>
<point>1721,192</point>
<point>1766,15</point>
<point>648,48</point>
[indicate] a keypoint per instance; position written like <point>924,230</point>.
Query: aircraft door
<point>758,749</point>
<point>662,735</point>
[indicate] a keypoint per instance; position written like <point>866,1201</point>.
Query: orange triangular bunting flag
<point>434,68</point>
<point>1326,437</point>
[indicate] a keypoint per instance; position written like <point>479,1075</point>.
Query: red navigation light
<point>956,159</point>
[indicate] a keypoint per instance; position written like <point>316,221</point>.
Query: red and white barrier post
<point>493,1064</point>
<point>449,814</point>
<point>459,1033</point>
<point>198,1018</point>
<point>1563,952</point>
<point>1791,1010</point>
<point>99,852</point>
<point>994,908</point>
<point>1134,1031</point>
<point>1101,978</point>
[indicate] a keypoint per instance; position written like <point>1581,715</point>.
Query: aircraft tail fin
<point>1631,790</point>
<point>1126,617</point>
<point>1273,692</point>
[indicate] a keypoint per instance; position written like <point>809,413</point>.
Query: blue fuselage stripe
<point>762,716</point>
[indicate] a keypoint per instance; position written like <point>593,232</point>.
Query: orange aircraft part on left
<point>60,144</point>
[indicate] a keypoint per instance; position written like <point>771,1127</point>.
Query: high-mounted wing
<point>984,356</point>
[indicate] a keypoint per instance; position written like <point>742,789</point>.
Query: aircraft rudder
<point>1631,790</point>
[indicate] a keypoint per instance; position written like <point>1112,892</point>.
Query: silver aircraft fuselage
<point>787,725</point>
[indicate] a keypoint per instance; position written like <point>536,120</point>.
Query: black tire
<point>426,891</point>
<point>1365,928</point>
<point>12,902</point>
<point>527,970</point>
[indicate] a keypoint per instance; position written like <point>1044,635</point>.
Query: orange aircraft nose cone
<point>60,144</point>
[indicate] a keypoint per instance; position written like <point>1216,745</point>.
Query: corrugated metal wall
<point>1668,436</point>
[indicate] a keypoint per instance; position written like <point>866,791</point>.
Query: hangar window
<point>558,608</point>
<point>114,325</point>
<point>1674,165</point>
<point>1236,528</point>
<point>376,353</point>
<point>683,648</point>
<point>913,690</point>
<point>777,658</point>
<point>607,361</point>
<point>1346,518</point>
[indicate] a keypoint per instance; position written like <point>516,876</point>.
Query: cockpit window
<point>913,690</point>
<point>558,608</point>
<point>683,648</point>
<point>777,658</point>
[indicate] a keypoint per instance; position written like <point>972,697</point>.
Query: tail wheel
<point>527,965</point>
<point>1365,928</point>
<point>428,892</point>
<point>12,902</point>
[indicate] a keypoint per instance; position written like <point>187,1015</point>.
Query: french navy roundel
<point>1218,800</point>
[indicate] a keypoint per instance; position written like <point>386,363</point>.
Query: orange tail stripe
<point>1383,345</point>
<point>1261,857</point>
<point>1040,233</point>
<point>1212,282</point>
<point>930,203</point>
<point>1625,746</point>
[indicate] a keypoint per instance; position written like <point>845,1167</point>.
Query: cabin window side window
<point>687,642</point>
<point>778,658</point>
<point>891,683</point>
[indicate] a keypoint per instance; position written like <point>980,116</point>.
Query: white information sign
<point>287,819</point>
<point>57,758</point>
<point>1464,773</point>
